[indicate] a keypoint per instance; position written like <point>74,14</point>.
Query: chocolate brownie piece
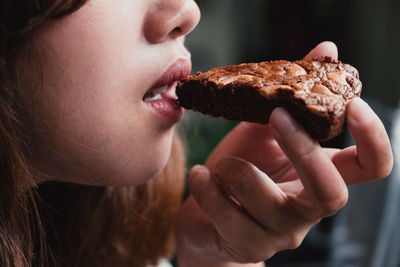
<point>315,92</point>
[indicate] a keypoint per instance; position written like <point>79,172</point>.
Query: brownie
<point>314,92</point>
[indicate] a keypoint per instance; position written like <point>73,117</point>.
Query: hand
<point>262,195</point>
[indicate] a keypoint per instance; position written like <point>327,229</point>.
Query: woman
<point>92,168</point>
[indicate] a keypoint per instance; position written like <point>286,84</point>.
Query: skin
<point>92,127</point>
<point>97,65</point>
<point>270,189</point>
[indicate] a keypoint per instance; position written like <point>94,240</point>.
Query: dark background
<point>367,33</point>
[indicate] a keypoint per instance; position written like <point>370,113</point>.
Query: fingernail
<point>197,170</point>
<point>282,122</point>
<point>359,112</point>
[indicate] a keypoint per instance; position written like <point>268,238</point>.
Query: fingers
<point>258,143</point>
<point>263,199</point>
<point>243,203</point>
<point>253,189</point>
<point>324,49</point>
<point>372,156</point>
<point>322,182</point>
<point>230,223</point>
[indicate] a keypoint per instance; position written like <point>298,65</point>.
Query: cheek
<point>93,127</point>
<point>101,151</point>
<point>97,130</point>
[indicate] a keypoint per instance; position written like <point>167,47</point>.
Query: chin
<point>147,168</point>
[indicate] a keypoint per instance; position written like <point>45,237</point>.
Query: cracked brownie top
<point>325,77</point>
<point>316,92</point>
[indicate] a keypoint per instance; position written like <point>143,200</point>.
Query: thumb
<point>324,49</point>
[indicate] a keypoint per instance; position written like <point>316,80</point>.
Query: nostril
<point>156,32</point>
<point>170,19</point>
<point>176,31</point>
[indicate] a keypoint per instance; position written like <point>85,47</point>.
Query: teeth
<point>148,99</point>
<point>154,94</point>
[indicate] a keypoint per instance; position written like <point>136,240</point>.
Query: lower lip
<point>167,108</point>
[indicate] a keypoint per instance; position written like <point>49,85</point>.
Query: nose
<point>170,19</point>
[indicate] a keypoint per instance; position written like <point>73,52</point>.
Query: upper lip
<point>178,70</point>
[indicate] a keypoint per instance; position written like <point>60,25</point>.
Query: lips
<point>161,98</point>
<point>180,69</point>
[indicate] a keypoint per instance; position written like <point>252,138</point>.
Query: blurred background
<point>367,35</point>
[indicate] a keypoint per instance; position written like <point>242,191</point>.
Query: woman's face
<point>100,67</point>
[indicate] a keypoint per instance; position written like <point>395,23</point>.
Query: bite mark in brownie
<point>314,92</point>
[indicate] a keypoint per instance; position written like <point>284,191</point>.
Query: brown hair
<point>64,224</point>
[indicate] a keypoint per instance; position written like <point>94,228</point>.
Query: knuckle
<point>379,170</point>
<point>332,206</point>
<point>383,170</point>
<point>233,174</point>
<point>380,161</point>
<point>293,241</point>
<point>308,150</point>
